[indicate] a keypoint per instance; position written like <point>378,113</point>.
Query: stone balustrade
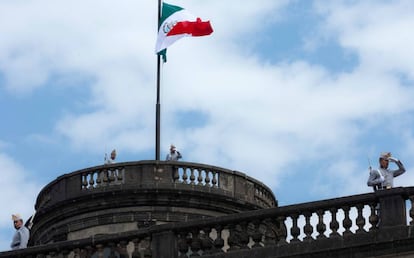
<point>156,174</point>
<point>367,223</point>
<point>127,196</point>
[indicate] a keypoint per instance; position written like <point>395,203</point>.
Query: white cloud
<point>380,31</point>
<point>68,36</point>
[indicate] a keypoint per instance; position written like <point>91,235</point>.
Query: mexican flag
<point>175,23</point>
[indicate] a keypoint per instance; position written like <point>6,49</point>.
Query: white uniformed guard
<point>21,237</point>
<point>174,154</point>
<point>383,177</point>
<point>112,158</point>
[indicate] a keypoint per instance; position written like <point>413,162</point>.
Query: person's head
<point>383,159</point>
<point>113,154</point>
<point>17,221</point>
<point>172,148</point>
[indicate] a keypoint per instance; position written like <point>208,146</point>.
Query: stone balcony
<point>130,196</point>
<point>367,225</point>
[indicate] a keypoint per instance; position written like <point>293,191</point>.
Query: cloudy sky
<point>299,94</point>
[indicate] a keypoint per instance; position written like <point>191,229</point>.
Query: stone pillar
<point>392,211</point>
<point>164,245</point>
<point>392,214</point>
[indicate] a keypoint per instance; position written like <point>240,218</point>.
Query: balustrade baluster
<point>295,231</point>
<point>321,227</point>
<point>218,243</point>
<point>122,249</point>
<point>185,176</point>
<point>200,177</point>
<point>334,225</point>
<point>206,241</point>
<point>256,234</point>
<point>243,235</point>
<point>257,190</point>
<point>112,250</point>
<point>120,175</point>
<point>98,180</point>
<point>146,246</point>
<point>88,251</point>
<point>411,212</point>
<point>136,253</point>
<point>308,229</point>
<point>176,174</point>
<point>360,220</point>
<point>214,181</point>
<point>99,251</point>
<point>182,245</point>
<point>192,176</point>
<point>85,181</point>
<point>373,218</point>
<point>91,180</point>
<point>207,179</point>
<point>233,239</point>
<point>347,222</point>
<point>111,173</point>
<point>76,253</point>
<point>84,253</point>
<point>270,235</point>
<point>105,176</point>
<point>281,232</point>
<point>195,243</point>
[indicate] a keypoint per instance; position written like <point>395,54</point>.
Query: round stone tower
<point>127,196</point>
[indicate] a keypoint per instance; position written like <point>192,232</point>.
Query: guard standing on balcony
<point>111,158</point>
<point>174,154</point>
<point>21,237</point>
<point>382,177</point>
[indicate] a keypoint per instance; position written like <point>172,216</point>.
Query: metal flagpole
<point>158,105</point>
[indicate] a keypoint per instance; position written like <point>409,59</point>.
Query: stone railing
<point>379,216</point>
<point>361,223</point>
<point>156,174</point>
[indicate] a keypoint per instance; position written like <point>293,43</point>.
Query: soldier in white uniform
<point>174,154</point>
<point>112,158</point>
<point>382,177</point>
<point>21,237</point>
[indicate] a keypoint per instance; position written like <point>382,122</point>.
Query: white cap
<point>385,155</point>
<point>16,217</point>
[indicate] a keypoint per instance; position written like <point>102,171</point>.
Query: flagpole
<point>158,105</point>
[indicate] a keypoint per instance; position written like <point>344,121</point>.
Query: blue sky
<point>298,94</point>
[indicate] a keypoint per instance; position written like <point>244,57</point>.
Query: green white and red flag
<point>175,23</point>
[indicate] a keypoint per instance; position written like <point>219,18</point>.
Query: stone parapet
<point>352,226</point>
<point>132,195</point>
